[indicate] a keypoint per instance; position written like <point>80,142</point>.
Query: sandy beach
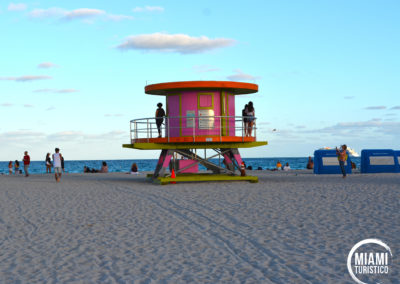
<point>293,227</point>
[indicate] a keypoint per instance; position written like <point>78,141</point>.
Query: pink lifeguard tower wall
<point>186,104</point>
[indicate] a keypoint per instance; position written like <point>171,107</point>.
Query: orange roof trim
<point>237,88</point>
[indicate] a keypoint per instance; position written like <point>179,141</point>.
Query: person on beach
<point>57,164</point>
<point>278,166</point>
<point>286,167</point>
<point>104,168</point>
<point>310,163</point>
<point>89,170</point>
<point>10,167</point>
<point>250,118</point>
<point>27,161</point>
<point>48,163</point>
<point>245,120</point>
<point>160,113</point>
<point>16,167</point>
<point>342,157</point>
<point>62,164</point>
<point>134,169</point>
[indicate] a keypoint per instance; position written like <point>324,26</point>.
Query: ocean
<point>39,167</point>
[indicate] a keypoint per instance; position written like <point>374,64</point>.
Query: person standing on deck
<point>160,113</point>
<point>250,118</point>
<point>57,164</point>
<point>245,120</point>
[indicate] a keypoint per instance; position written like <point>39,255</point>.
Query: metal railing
<point>177,126</point>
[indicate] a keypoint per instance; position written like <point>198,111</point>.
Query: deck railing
<point>176,126</point>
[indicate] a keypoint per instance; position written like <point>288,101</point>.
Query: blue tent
<point>326,162</point>
<point>379,161</point>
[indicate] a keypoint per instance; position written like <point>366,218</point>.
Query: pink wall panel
<point>190,103</point>
<point>173,110</point>
<point>189,108</point>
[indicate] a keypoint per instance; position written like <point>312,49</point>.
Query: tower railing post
<point>151,131</point>
<point>147,129</point>
<point>194,128</point>
<point>168,126</point>
<point>220,129</point>
<point>135,130</point>
<point>130,131</point>
<point>255,129</point>
<point>242,129</point>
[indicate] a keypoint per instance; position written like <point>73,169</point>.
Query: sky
<point>72,73</point>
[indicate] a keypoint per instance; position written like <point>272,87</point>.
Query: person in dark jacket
<point>160,113</point>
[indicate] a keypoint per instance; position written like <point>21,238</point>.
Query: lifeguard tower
<point>200,115</point>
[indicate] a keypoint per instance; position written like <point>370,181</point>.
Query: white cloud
<point>179,43</point>
<point>28,105</point>
<point>17,7</point>
<point>79,135</point>
<point>349,97</point>
<point>65,91</point>
<point>47,13</point>
<point>6,104</point>
<point>360,127</point>
<point>78,14</point>
<point>240,76</point>
<point>26,78</point>
<point>396,107</point>
<point>83,13</point>
<point>47,65</point>
<point>375,107</point>
<point>19,135</point>
<point>148,9</point>
<point>55,12</point>
<point>61,136</point>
